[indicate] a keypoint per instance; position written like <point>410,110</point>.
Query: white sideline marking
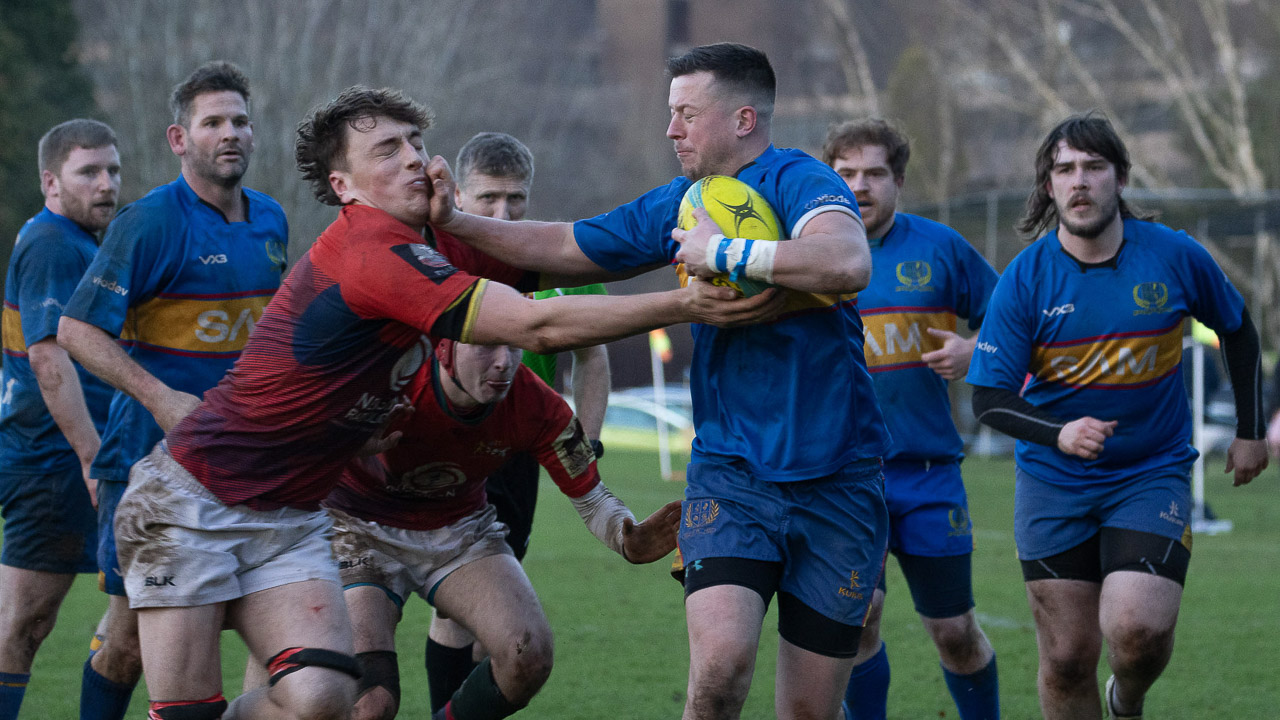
<point>1003,622</point>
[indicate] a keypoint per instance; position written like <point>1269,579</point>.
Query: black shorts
<point>513,491</point>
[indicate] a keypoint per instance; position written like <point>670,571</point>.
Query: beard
<point>1090,229</point>
<point>227,176</point>
<point>86,214</point>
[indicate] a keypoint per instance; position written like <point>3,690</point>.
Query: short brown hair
<point>321,145</point>
<point>494,154</point>
<point>213,76</point>
<point>61,139</point>
<point>851,134</point>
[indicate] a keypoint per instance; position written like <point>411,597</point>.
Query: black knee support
<point>379,668</point>
<point>758,575</point>
<point>295,658</point>
<point>207,709</point>
<point>810,630</point>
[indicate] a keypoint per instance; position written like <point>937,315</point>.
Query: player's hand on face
<point>653,538</point>
<point>385,438</point>
<point>1248,458</point>
<point>174,407</point>
<point>442,185</point>
<point>951,361</point>
<point>693,244</point>
<point>725,308</point>
<point>1085,437</point>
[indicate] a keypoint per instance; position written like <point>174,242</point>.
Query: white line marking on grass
<point>996,621</point>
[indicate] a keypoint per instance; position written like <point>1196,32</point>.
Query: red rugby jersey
<point>436,475</point>
<point>335,349</point>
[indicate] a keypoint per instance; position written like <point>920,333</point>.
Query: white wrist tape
<point>739,256</point>
<point>603,513</point>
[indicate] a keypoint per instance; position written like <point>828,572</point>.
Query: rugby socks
<point>478,699</point>
<point>12,687</point>
<point>100,698</point>
<point>447,669</point>
<point>867,696</point>
<point>977,696</point>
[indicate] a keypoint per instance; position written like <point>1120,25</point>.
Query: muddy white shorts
<point>179,546</point>
<point>402,561</point>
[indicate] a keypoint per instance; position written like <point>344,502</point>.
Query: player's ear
<point>177,137</point>
<point>48,183</point>
<point>747,119</point>
<point>341,186</point>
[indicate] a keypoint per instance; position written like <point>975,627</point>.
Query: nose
<point>857,182</point>
<point>502,209</point>
<point>675,128</point>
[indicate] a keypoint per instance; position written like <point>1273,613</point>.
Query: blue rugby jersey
<point>182,288</point>
<point>791,398</point>
<point>1105,342</point>
<point>52,253</point>
<point>925,276</point>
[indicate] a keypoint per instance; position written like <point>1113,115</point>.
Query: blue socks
<point>12,687</point>
<point>101,699</point>
<point>977,696</point>
<point>867,695</point>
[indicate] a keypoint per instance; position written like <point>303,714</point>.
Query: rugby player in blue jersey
<point>926,277</point>
<point>771,507</point>
<point>183,275</point>
<point>1094,312</point>
<point>51,410</point>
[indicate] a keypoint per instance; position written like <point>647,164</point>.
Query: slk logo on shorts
<point>153,581</point>
<point>701,513</point>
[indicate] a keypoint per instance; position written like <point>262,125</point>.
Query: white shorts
<point>179,546</point>
<point>401,561</point>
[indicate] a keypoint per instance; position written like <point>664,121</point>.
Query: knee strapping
<point>210,708</point>
<point>379,668</point>
<point>295,658</point>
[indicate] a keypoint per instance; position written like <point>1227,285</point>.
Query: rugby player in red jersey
<point>416,520</point>
<point>222,525</point>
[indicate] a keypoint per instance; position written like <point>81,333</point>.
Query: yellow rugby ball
<point>739,210</point>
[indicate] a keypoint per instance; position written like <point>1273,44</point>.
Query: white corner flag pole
<point>1200,524</point>
<point>660,399</point>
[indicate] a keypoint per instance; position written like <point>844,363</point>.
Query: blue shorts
<point>829,534</point>
<point>48,522</point>
<point>110,579</point>
<point>1048,519</point>
<point>928,509</point>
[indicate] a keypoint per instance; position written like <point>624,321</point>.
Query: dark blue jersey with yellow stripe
<point>924,275</point>
<point>182,288</point>
<point>1105,341</point>
<point>791,398</point>
<point>51,254</point>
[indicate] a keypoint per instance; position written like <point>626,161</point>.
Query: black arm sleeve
<point>1009,413</point>
<point>1242,353</point>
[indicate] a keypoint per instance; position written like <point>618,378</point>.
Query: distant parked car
<point>631,420</point>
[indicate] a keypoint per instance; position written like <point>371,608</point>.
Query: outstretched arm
<point>505,317</point>
<point>93,348</point>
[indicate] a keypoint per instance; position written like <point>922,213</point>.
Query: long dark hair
<point>1090,132</point>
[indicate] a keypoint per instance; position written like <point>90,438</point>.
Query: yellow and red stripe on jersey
<point>895,337</point>
<point>14,343</point>
<point>196,324</point>
<point>1115,361</point>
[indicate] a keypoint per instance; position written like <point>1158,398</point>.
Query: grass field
<point>621,648</point>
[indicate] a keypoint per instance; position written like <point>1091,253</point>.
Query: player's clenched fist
<point>1085,437</point>
<point>652,539</point>
<point>442,187</point>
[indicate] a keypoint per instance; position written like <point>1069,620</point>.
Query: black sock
<point>447,668</point>
<point>479,698</point>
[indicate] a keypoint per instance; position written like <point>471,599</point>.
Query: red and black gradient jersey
<point>334,351</point>
<point>436,475</point>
